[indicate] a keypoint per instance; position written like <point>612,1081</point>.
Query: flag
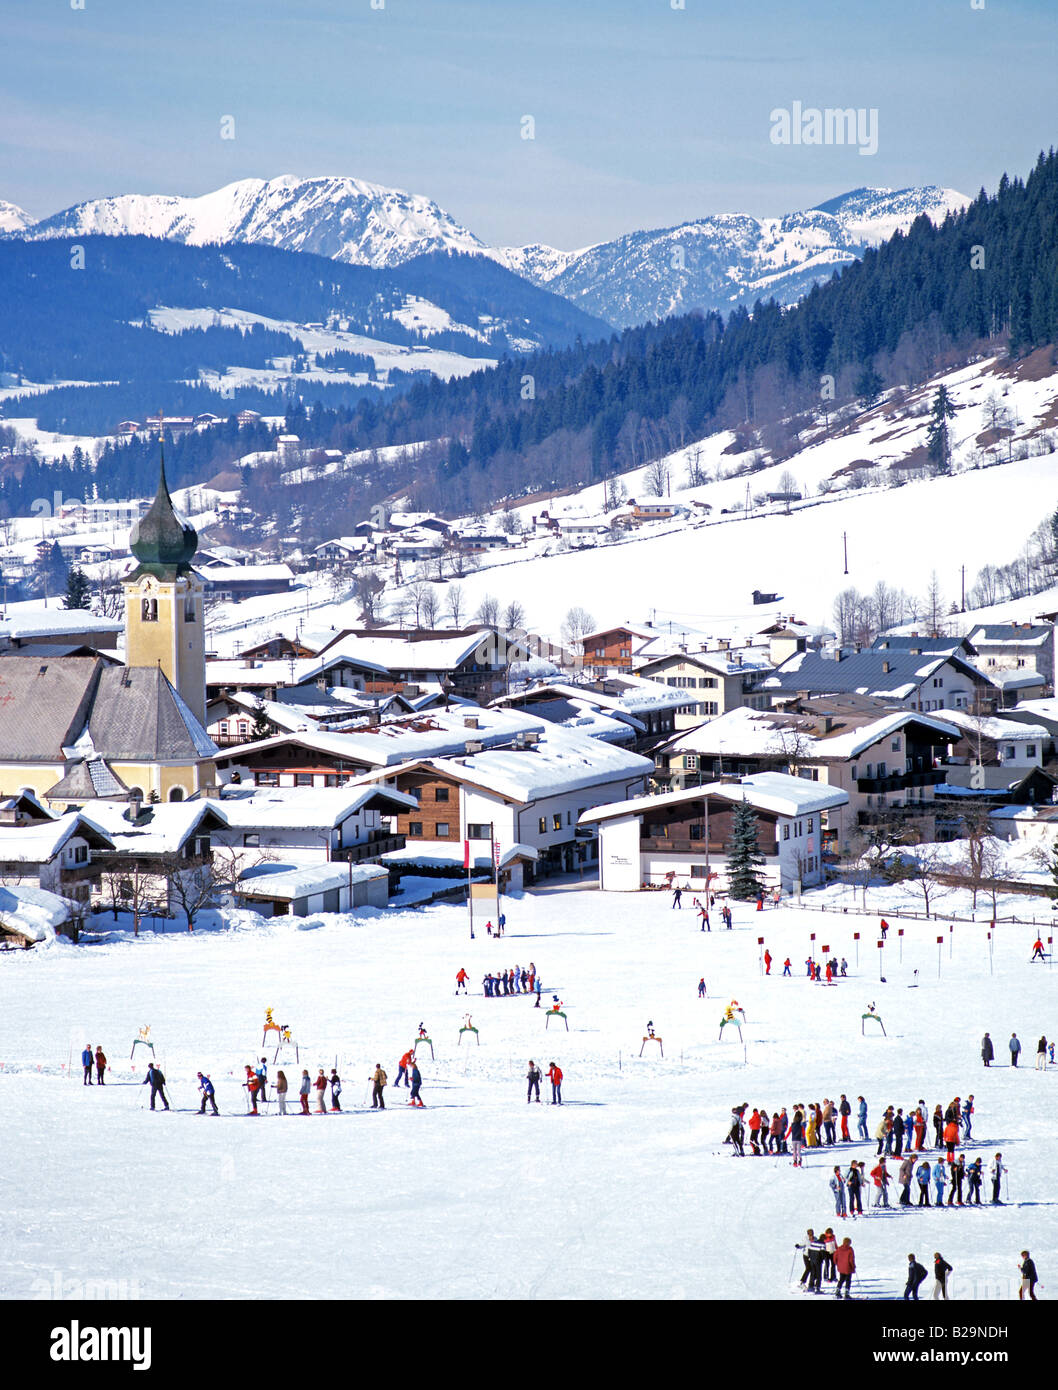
<point>466,854</point>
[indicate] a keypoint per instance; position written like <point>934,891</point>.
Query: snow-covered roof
<point>884,673</point>
<point>308,808</point>
<point>436,855</point>
<point>995,728</point>
<point>288,884</point>
<point>765,791</point>
<point>243,574</point>
<point>33,911</point>
<point>40,843</point>
<point>435,734</point>
<point>22,621</point>
<point>170,824</point>
<point>763,733</point>
<point>1011,635</point>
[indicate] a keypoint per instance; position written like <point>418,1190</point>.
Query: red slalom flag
<point>466,854</point>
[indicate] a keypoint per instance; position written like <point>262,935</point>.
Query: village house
<point>683,837</point>
<point>307,890</point>
<point>885,762</point>
<point>528,793</point>
<point>1012,654</point>
<point>56,854</point>
<point>904,679</point>
<point>722,680</point>
<point>992,752</point>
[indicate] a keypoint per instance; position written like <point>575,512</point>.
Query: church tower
<point>164,611</point>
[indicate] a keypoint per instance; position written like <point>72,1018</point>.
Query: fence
<point>910,915</point>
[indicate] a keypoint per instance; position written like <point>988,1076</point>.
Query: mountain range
<point>714,262</point>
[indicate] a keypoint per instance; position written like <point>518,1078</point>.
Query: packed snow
<point>626,1191</point>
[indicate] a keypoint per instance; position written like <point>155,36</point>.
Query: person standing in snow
<point>533,1077</point>
<point>304,1091</point>
<point>281,1091</point>
<point>958,1173</point>
<point>416,1085</point>
<point>87,1059</point>
<point>321,1092</point>
<point>1015,1048</point>
<point>701,988</point>
<point>786,966</point>
<point>554,1075</point>
<point>336,1089</point>
<point>904,1179</point>
<point>378,1081</point>
<point>975,1177</point>
<point>882,1179</point>
<point>1037,950</point>
<point>967,1117</point>
<point>101,1065</point>
<point>156,1081</point>
<point>703,913</point>
<point>987,1050</point>
<point>997,1169</point>
<point>1029,1277</point>
<point>845,1264</point>
<point>861,1118</point>
<point>837,1186</point>
<point>844,968</point>
<point>916,1274</point>
<point>402,1068</point>
<point>797,1137</point>
<point>677,896</point>
<point>767,962</point>
<point>923,1176</point>
<point>461,981</point>
<point>940,1177</point>
<point>208,1094</point>
<point>1041,1058</point>
<point>845,1110</point>
<point>941,1270</point>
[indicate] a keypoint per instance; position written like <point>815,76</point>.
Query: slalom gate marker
<point>143,1040</point>
<point>425,1040</point>
<point>652,1037</point>
<point>870,1014</point>
<point>469,1028</point>
<point>556,1013</point>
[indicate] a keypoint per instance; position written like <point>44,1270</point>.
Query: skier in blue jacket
<point>87,1059</point>
<point>206,1087</point>
<point>861,1117</point>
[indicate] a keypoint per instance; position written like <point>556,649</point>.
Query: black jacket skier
<point>915,1275</point>
<point>156,1081</point>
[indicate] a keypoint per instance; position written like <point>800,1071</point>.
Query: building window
<point>1009,751</point>
<point>696,831</point>
<point>479,831</point>
<point>690,762</point>
<point>811,823</point>
<point>786,832</point>
<point>149,610</point>
<point>266,779</point>
<point>189,610</point>
<point>699,871</point>
<point>442,830</point>
<point>440,793</point>
<point>556,820</point>
<point>251,840</point>
<point>542,825</point>
<point>1030,750</point>
<point>303,779</point>
<point>895,745</point>
<point>415,829</point>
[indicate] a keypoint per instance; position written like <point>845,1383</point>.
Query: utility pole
<point>845,544</point>
<point>963,609</point>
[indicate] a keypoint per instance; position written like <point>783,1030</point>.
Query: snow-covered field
<point>625,1192</point>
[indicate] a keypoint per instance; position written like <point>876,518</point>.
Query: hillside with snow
<point>862,492</point>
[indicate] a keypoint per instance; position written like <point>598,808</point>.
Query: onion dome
<point>160,540</point>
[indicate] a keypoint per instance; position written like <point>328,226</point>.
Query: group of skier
<point>520,980</point>
<point>533,1078</point>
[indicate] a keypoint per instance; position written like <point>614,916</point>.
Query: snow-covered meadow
<point>627,1191</point>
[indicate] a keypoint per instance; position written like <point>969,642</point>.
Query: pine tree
<point>77,590</point>
<point>261,727</point>
<point>744,858</point>
<point>938,440</point>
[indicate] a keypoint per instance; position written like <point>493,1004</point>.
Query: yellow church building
<point>73,728</point>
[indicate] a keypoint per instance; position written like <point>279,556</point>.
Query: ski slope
<point>626,1192</point>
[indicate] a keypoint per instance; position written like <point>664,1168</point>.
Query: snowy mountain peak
<point>343,218</point>
<point>14,219</point>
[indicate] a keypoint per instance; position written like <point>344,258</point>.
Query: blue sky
<point>645,115</point>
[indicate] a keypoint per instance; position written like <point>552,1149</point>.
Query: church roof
<point>137,716</point>
<point>161,541</point>
<point>88,780</point>
<point>44,705</point>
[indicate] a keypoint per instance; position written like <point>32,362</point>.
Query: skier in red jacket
<point>554,1075</point>
<point>767,962</point>
<point>461,981</point>
<point>845,1264</point>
